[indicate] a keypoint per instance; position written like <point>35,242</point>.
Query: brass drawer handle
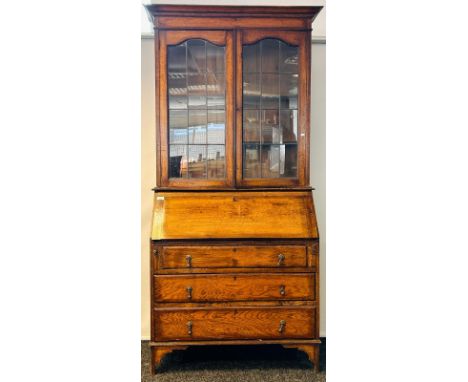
<point>281,258</point>
<point>189,292</point>
<point>282,290</point>
<point>189,328</point>
<point>281,326</point>
<point>188,259</point>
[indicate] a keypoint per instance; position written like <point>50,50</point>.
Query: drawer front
<point>234,323</point>
<point>234,287</point>
<point>280,256</point>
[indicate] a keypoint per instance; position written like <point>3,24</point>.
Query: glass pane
<point>197,81</point>
<point>197,126</point>
<point>288,91</point>
<point>251,126</point>
<point>289,161</point>
<point>196,56</point>
<point>197,161</point>
<point>178,123</point>
<point>177,89</point>
<point>216,161</point>
<point>177,161</point>
<point>216,126</point>
<point>271,132</point>
<point>251,91</point>
<point>251,58</point>
<point>251,161</point>
<point>289,58</point>
<point>270,115</point>
<point>215,58</point>
<point>288,122</point>
<point>197,90</point>
<point>270,161</point>
<point>270,91</point>
<point>215,90</point>
<point>270,55</point>
<point>177,59</point>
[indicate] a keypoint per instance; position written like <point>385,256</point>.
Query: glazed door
<point>196,110</point>
<point>272,108</point>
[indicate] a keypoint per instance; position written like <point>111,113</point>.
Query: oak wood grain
<point>233,215</point>
<point>222,256</point>
<point>234,323</point>
<point>235,287</point>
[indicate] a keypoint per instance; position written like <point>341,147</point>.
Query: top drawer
<point>249,256</point>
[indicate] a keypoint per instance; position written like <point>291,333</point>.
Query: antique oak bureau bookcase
<point>234,241</point>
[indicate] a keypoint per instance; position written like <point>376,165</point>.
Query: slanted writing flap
<point>234,215</point>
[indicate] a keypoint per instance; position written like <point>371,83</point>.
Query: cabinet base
<point>160,349</point>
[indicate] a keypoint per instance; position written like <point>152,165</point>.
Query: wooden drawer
<point>221,256</point>
<point>234,287</point>
<point>234,323</point>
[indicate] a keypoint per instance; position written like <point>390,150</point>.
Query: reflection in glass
<point>289,161</point>
<point>177,59</point>
<point>270,102</point>
<point>177,84</point>
<point>288,91</point>
<point>197,161</point>
<point>289,58</point>
<point>196,94</point>
<point>251,126</point>
<point>196,84</point>
<point>178,161</point>
<point>271,132</point>
<point>178,126</point>
<point>270,158</point>
<point>196,56</point>
<point>251,58</point>
<point>216,161</point>
<point>215,90</point>
<point>270,55</point>
<point>288,123</point>
<point>216,126</point>
<point>270,91</point>
<point>251,161</point>
<point>215,58</point>
<point>197,126</point>
<point>251,91</point>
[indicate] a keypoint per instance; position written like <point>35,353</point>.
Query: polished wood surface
<point>231,17</point>
<point>234,256</point>
<point>230,215</point>
<point>234,323</point>
<point>234,260</point>
<point>234,287</point>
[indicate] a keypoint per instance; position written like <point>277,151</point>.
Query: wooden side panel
<point>228,215</point>
<point>234,323</point>
<point>235,287</point>
<point>222,256</point>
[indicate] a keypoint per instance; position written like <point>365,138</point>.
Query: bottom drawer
<point>234,323</point>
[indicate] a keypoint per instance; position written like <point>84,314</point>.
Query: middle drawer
<point>234,287</point>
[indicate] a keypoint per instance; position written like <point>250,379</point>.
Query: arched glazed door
<point>196,109</point>
<point>272,90</point>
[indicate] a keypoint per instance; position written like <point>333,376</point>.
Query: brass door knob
<point>281,258</point>
<point>189,292</point>
<point>282,326</point>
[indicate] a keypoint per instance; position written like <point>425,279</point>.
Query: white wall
<point>148,155</point>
